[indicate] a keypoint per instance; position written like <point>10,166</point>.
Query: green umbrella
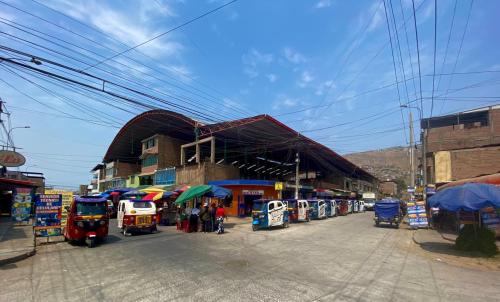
<point>193,192</point>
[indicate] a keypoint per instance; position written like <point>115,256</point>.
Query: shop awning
<point>219,192</point>
<point>193,192</point>
<point>468,197</point>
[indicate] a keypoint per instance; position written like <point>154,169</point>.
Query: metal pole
<point>297,161</point>
<point>412,143</point>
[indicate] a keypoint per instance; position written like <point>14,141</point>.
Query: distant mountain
<point>390,163</point>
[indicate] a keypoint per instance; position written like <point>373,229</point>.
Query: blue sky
<point>318,66</point>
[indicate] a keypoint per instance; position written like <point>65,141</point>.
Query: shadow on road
<point>448,248</point>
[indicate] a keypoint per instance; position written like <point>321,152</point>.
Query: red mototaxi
<point>88,220</point>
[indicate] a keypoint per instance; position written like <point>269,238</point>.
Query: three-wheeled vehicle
<point>87,220</point>
<point>331,208</point>
<point>387,211</point>
<point>343,207</point>
<point>136,215</point>
<point>317,208</point>
<point>355,206</point>
<point>269,213</point>
<point>298,210</point>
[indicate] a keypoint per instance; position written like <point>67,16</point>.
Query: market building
<point>249,156</point>
<point>462,145</point>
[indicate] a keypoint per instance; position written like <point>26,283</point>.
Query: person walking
<point>220,214</point>
<point>205,219</point>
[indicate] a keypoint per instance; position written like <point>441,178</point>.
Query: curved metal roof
<point>126,145</point>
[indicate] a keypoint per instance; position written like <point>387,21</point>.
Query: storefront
<point>16,198</point>
<point>245,191</point>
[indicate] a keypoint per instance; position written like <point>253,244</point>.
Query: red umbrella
<point>150,196</point>
<point>115,193</point>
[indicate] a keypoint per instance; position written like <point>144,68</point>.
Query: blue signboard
<point>21,204</point>
<point>48,215</point>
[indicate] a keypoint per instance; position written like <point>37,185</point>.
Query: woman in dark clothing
<point>205,219</point>
<point>213,209</point>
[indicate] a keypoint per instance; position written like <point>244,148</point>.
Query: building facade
<point>161,147</point>
<point>462,145</point>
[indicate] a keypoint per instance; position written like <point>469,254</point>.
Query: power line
<point>461,44</point>
<point>435,45</point>
<point>164,33</point>
<point>418,55</point>
<point>394,65</point>
<point>447,45</point>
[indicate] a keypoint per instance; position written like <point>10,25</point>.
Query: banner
<point>67,198</point>
<point>417,216</point>
<point>48,215</point>
<point>21,204</point>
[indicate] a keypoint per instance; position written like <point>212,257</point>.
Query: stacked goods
<point>417,216</point>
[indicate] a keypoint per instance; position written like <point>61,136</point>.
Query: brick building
<point>462,145</point>
<point>388,188</point>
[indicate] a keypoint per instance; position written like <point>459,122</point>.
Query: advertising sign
<point>11,158</point>
<point>278,186</point>
<point>48,215</point>
<point>417,216</point>
<point>67,198</point>
<point>253,192</point>
<point>21,204</point>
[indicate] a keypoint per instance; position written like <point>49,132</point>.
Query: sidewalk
<point>16,242</point>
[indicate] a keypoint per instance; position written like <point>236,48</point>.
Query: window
<point>150,161</point>
<point>142,205</point>
<point>150,143</point>
<point>271,206</point>
<point>123,207</point>
<point>110,171</point>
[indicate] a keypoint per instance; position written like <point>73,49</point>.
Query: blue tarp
<point>467,197</point>
<point>104,195</point>
<point>219,192</point>
<point>134,193</point>
<point>168,194</point>
<point>387,209</point>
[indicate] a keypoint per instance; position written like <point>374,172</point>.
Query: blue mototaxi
<point>317,208</point>
<point>331,208</point>
<point>387,211</point>
<point>269,213</point>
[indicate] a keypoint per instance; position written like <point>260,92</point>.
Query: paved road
<point>340,259</point>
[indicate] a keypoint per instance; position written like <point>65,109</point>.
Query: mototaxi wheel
<point>254,227</point>
<point>92,242</point>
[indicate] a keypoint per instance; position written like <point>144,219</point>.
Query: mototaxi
<point>87,220</point>
<point>331,208</point>
<point>317,208</point>
<point>298,210</point>
<point>269,213</point>
<point>136,215</point>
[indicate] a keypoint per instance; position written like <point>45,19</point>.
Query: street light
<point>9,139</point>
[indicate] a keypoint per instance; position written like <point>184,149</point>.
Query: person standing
<point>193,219</point>
<point>205,219</point>
<point>213,210</point>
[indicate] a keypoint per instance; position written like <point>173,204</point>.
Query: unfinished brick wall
<point>474,162</point>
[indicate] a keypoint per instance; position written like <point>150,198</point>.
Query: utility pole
<point>297,162</point>
<point>412,158</point>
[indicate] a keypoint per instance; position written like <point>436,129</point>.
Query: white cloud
<point>284,101</point>
<point>305,78</point>
<point>293,55</point>
<point>253,59</point>
<point>272,77</point>
<point>378,18</point>
<point>323,3</point>
<point>324,87</point>
<point>132,26</point>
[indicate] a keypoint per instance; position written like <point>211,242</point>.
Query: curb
<point>18,257</point>
<point>445,238</point>
<point>413,238</point>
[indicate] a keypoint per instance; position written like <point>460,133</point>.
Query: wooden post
<point>212,150</point>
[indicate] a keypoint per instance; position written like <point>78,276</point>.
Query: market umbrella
<point>169,194</point>
<point>114,193</point>
<point>467,197</point>
<point>135,193</point>
<point>153,196</point>
<point>219,192</point>
<point>153,189</point>
<point>121,190</point>
<point>193,192</point>
<point>182,189</point>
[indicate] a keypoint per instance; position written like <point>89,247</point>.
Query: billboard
<point>48,215</point>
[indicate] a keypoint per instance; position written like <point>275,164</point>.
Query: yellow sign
<point>67,198</point>
<point>278,186</point>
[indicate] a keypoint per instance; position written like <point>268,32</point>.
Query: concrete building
<point>161,147</point>
<point>462,145</point>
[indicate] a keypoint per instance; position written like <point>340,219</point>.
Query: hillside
<point>390,163</point>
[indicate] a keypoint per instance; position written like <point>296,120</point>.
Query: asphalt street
<point>339,259</point>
